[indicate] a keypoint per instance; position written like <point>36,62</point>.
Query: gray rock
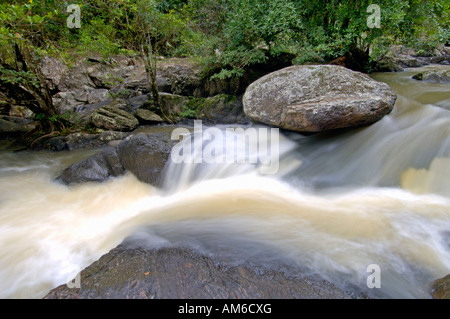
<point>69,100</point>
<point>138,101</point>
<point>9,127</point>
<point>85,110</point>
<point>317,98</point>
<point>183,75</point>
<point>97,95</point>
<point>408,61</point>
<point>143,153</point>
<point>433,76</point>
<point>182,273</point>
<point>443,59</point>
<point>53,70</point>
<point>76,79</point>
<point>388,64</point>
<point>172,103</point>
<point>56,144</point>
<point>21,111</point>
<point>113,117</point>
<point>97,168</point>
<point>147,117</point>
<point>83,140</point>
<point>222,109</point>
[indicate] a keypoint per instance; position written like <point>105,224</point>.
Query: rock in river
<point>317,98</point>
<point>184,273</point>
<point>143,153</point>
<point>433,76</point>
<point>441,288</point>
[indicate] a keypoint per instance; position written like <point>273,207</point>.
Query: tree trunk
<point>39,90</point>
<point>149,58</point>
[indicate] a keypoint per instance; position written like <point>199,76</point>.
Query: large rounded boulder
<point>317,98</point>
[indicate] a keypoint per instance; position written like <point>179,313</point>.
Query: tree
<point>153,31</point>
<point>335,28</point>
<point>21,81</point>
<point>145,27</point>
<point>253,32</point>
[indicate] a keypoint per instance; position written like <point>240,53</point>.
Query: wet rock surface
<point>183,273</point>
<point>143,153</point>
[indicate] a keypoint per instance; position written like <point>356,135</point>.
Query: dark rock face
<point>144,154</point>
<point>317,98</point>
<point>222,109</point>
<point>10,126</point>
<point>97,168</point>
<point>181,273</point>
<point>388,64</point>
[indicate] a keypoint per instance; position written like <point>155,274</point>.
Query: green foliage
<point>18,77</point>
<point>230,36</point>
<point>190,109</point>
<point>188,113</point>
<point>335,27</point>
<point>251,32</point>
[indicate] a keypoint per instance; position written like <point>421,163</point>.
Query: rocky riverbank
<point>113,98</point>
<point>112,95</point>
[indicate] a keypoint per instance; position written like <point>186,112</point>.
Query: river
<point>340,203</point>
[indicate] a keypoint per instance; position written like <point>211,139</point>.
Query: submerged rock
<point>182,273</point>
<point>317,98</point>
<point>433,76</point>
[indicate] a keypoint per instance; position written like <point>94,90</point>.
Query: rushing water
<point>377,195</point>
